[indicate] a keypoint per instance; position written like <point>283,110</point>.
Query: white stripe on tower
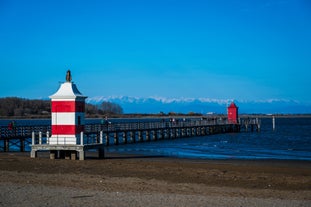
<point>67,118</point>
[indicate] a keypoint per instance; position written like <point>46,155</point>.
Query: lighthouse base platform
<point>67,151</point>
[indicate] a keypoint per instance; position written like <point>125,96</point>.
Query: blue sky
<point>235,49</point>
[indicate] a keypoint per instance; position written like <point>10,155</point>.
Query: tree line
<point>21,107</point>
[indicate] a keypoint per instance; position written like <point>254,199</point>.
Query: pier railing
<point>151,125</point>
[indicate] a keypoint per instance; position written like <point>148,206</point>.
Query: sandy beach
<point>131,180</point>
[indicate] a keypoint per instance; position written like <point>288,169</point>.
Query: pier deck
<point>98,136</point>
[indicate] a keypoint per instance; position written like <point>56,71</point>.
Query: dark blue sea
<point>291,140</point>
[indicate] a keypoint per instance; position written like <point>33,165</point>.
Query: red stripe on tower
<point>67,129</point>
<point>68,106</point>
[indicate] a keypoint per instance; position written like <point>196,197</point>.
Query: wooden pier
<point>98,136</point>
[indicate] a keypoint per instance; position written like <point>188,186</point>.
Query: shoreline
<point>91,155</point>
<point>166,181</point>
<point>259,159</point>
<point>152,116</point>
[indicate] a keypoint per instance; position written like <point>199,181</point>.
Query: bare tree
<point>111,108</point>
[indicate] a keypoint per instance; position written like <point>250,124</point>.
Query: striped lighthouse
<point>67,107</point>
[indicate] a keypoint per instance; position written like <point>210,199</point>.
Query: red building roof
<point>232,105</point>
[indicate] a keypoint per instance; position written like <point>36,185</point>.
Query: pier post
<point>163,134</point>
<point>210,130</point>
<point>177,133</point>
<point>67,154</point>
<point>273,123</point>
<point>81,154</point>
<point>6,145</point>
<point>187,132</point>
<point>33,138</point>
<point>147,135</point>
<point>139,136</point>
<point>101,137</point>
<point>33,153</point>
<point>131,137</point>
<point>134,136</point>
<point>246,126</point>
<point>107,138</point>
<point>258,124</point>
<point>40,138</point>
<point>116,138</point>
<point>73,155</point>
<point>170,133</point>
<point>124,137</point>
<point>151,134</point>
<point>173,133</point>
<point>22,146</point>
<point>156,135</point>
<point>81,138</point>
<point>47,137</point>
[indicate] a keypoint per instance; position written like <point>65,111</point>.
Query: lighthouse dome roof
<point>68,90</point>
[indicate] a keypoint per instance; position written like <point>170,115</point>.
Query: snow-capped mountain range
<point>202,105</point>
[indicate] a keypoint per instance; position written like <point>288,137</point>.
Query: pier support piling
<point>273,123</point>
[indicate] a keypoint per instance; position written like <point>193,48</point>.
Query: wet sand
<point>131,180</point>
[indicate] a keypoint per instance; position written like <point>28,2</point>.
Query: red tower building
<point>233,113</point>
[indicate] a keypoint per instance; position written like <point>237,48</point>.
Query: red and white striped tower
<point>68,106</point>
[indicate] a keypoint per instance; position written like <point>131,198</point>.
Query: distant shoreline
<point>126,116</point>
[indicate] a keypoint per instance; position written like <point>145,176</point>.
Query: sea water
<point>291,140</point>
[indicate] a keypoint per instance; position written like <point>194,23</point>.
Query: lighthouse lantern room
<point>67,108</point>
